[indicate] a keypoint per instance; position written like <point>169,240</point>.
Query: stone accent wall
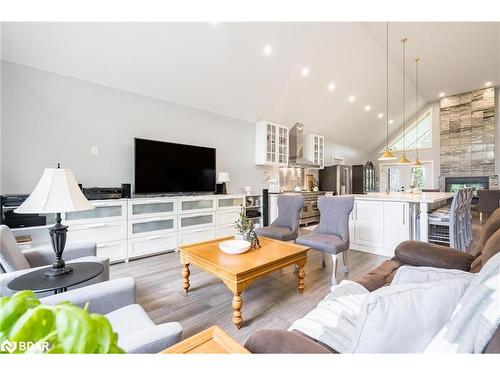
<point>467,128</point>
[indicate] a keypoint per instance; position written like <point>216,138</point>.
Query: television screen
<point>162,167</point>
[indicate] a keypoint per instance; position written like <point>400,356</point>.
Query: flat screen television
<point>163,167</point>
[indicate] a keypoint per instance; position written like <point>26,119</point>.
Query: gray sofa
<point>116,299</point>
<point>14,262</point>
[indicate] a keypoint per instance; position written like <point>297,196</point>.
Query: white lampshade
<point>57,191</point>
<point>223,177</point>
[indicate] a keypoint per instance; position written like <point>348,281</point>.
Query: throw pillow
<point>405,318</point>
<point>410,274</point>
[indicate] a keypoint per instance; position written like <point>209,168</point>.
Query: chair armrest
<point>102,297</point>
<point>418,253</point>
<point>44,256</point>
<point>152,339</point>
<point>278,341</point>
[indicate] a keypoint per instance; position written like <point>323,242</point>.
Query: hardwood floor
<point>270,302</point>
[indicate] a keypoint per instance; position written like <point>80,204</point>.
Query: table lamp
<point>221,182</point>
<point>56,192</point>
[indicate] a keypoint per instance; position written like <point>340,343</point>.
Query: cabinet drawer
<point>148,208</point>
<point>104,210</point>
<point>152,244</point>
<point>99,232</point>
<point>230,203</point>
<point>196,221</point>
<point>196,235</point>
<point>115,251</point>
<point>147,227</point>
<point>198,204</point>
<point>227,217</point>
<point>226,230</point>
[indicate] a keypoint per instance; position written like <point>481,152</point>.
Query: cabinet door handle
<point>404,213</point>
<point>156,237</point>
<point>197,230</point>
<point>100,225</point>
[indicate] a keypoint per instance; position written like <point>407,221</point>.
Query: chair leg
<point>323,261</point>
<point>344,260</point>
<point>334,270</point>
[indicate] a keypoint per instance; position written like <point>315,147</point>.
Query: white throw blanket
<point>476,317</point>
<point>333,321</point>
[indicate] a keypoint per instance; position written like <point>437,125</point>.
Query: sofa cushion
<point>379,276</point>
<point>491,247</point>
<point>11,257</point>
<point>328,243</point>
<point>410,274</point>
<point>487,230</point>
<point>416,253</point>
<point>129,320</point>
<point>275,341</point>
<point>384,327</point>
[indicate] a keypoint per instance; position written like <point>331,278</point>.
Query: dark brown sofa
<point>412,253</point>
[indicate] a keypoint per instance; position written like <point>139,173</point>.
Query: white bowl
<point>234,246</point>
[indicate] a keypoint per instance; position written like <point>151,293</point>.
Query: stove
<point>310,213</point>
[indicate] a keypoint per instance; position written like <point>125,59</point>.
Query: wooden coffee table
<point>238,271</point>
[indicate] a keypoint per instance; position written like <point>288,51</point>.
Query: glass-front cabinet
<point>197,204</point>
<point>103,210</point>
<point>315,146</point>
<point>147,208</point>
<point>230,203</point>
<point>271,144</point>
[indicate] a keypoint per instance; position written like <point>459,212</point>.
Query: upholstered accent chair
<point>14,262</point>
<point>331,236</point>
<point>116,300</point>
<point>286,225</point>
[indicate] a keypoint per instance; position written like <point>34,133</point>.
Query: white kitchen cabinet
<point>116,251</point>
<point>187,237</point>
<point>315,149</point>
<point>396,224</point>
<point>155,225</point>
<point>368,222</point>
<point>146,208</point>
<point>148,245</point>
<point>271,144</point>
<point>196,204</point>
<point>273,207</point>
<point>105,210</point>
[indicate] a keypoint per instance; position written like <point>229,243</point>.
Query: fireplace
<point>478,183</point>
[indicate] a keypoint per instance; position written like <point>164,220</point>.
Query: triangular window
<point>424,135</point>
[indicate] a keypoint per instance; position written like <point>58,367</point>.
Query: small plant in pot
<point>244,226</point>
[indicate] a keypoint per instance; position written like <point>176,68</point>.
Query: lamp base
<point>53,273</point>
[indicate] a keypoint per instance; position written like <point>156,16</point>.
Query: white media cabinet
<point>130,228</point>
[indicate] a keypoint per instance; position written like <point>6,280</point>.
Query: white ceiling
<point>221,68</point>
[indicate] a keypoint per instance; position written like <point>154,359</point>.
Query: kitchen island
<point>380,221</point>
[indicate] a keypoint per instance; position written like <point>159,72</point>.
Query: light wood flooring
<point>270,302</point>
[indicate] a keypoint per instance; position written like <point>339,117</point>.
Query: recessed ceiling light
<point>351,99</point>
<point>305,72</point>
<point>442,94</point>
<point>380,115</point>
<point>488,84</point>
<point>267,50</point>
<point>368,108</point>
<point>331,86</point>
<point>391,121</point>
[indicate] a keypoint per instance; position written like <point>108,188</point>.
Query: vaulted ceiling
<point>225,68</point>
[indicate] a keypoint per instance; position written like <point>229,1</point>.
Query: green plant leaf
<point>75,331</point>
<point>12,308</point>
<point>104,333</point>
<point>34,325</point>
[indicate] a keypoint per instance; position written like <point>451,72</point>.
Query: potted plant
<point>244,226</point>
<point>27,326</point>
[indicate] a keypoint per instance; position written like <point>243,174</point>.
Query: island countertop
<point>431,197</point>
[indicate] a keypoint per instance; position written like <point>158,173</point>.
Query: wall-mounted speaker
<point>126,191</point>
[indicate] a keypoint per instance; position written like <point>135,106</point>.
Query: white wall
<point>49,118</point>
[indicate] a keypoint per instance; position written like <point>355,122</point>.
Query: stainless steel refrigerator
<point>336,178</point>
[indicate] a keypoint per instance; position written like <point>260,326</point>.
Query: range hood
<point>296,149</point>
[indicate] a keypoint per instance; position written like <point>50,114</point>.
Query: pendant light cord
<point>387,86</point>
<point>418,117</point>
<point>403,41</point>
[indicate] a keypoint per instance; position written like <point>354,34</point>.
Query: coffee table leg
<point>237,304</point>
<point>185,277</point>
<point>301,274</point>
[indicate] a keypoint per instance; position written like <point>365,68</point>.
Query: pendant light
<point>387,155</point>
<point>417,60</point>
<point>403,159</point>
